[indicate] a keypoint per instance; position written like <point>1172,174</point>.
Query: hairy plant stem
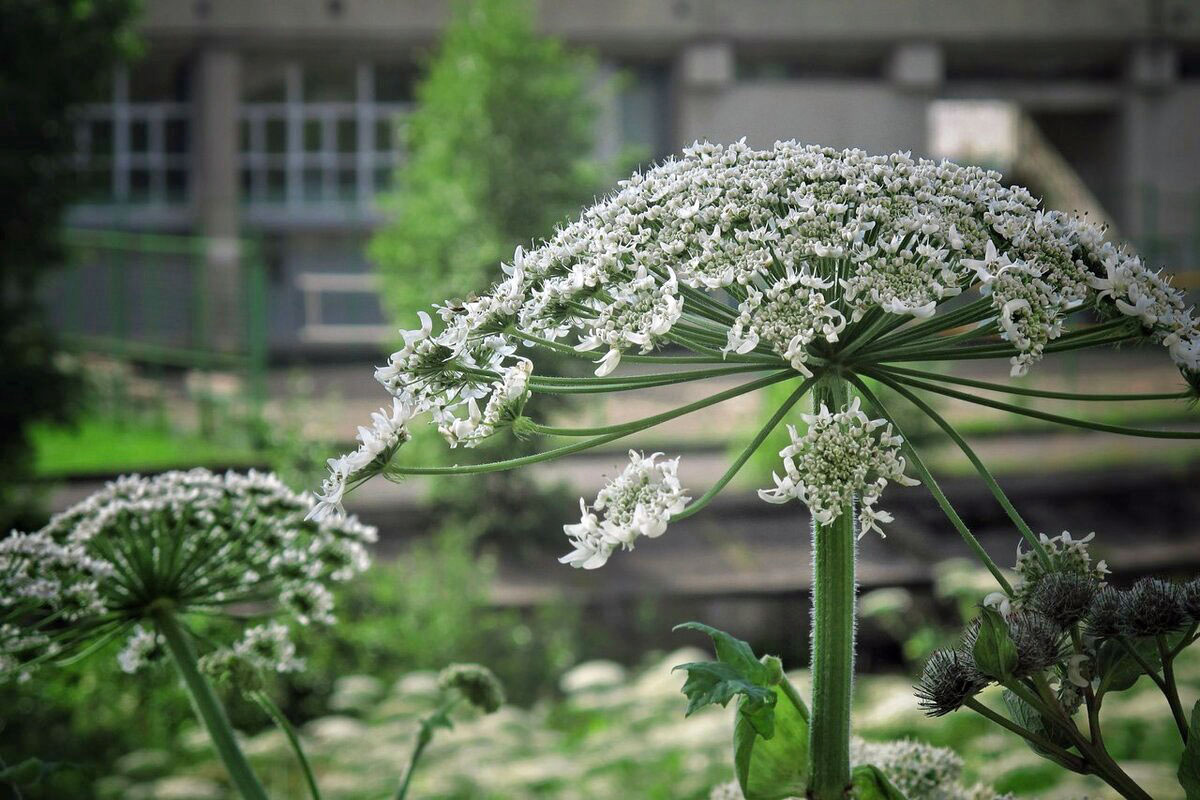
<point>832,634</point>
<point>207,706</point>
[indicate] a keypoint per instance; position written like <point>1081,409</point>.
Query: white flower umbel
<point>639,502</point>
<point>175,544</point>
<point>842,456</point>
<point>376,446</point>
<point>788,316</point>
<point>504,406</point>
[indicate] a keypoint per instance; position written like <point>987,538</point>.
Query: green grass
<point>103,447</point>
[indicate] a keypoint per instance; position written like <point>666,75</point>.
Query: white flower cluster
<point>375,448</point>
<point>639,502</point>
<point>778,257</point>
<point>1066,554</point>
<point>788,316</point>
<point>193,540</point>
<point>843,232</point>
<point>842,456</point>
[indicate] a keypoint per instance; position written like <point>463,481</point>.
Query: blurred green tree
<point>57,53</point>
<point>499,150</point>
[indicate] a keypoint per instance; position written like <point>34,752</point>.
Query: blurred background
<point>218,214</point>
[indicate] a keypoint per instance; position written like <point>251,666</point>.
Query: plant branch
<point>994,487</point>
<point>273,711</point>
<point>1029,412</point>
<point>207,707</point>
<point>749,450</point>
<point>512,463</point>
<point>935,490</point>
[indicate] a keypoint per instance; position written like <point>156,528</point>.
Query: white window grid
<point>298,175</point>
<point>122,162</point>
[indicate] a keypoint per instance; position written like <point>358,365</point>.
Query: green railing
<point>147,298</point>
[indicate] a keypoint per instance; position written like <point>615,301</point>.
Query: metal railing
<point>147,298</point>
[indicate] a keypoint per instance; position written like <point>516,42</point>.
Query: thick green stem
<point>208,707</point>
<point>832,635</point>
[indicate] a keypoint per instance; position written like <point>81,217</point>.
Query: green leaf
<point>736,671</point>
<point>994,651</point>
<point>1032,720</point>
<point>869,783</point>
<point>733,652</point>
<point>1189,765</point>
<point>777,766</point>
<point>714,682</point>
<point>1118,670</point>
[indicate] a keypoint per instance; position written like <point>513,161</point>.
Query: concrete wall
<point>867,114</point>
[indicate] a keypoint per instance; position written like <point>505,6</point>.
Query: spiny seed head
<point>1190,595</point>
<point>1038,641</point>
<point>1104,617</point>
<point>948,680</point>
<point>478,685</point>
<point>1063,597</point>
<point>1151,607</point>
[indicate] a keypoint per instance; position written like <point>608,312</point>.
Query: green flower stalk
<point>806,266</point>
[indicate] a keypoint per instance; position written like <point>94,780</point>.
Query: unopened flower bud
<point>1190,596</point>
<point>1038,641</point>
<point>477,684</point>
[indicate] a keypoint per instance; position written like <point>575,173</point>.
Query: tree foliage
<point>499,150</point>
<point>57,53</point>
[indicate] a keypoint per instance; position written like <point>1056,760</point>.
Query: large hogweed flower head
<point>798,263</point>
<point>234,547</point>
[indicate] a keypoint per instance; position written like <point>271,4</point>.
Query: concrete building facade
<point>280,120</point>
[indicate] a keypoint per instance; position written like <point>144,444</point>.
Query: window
<point>330,140</point>
<point>133,152</point>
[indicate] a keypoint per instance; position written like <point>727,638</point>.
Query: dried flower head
<point>1063,597</point>
<point>948,680</point>
<point>841,456</point>
<point>1104,619</point>
<point>478,685</point>
<point>1151,607</point>
<point>180,542</point>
